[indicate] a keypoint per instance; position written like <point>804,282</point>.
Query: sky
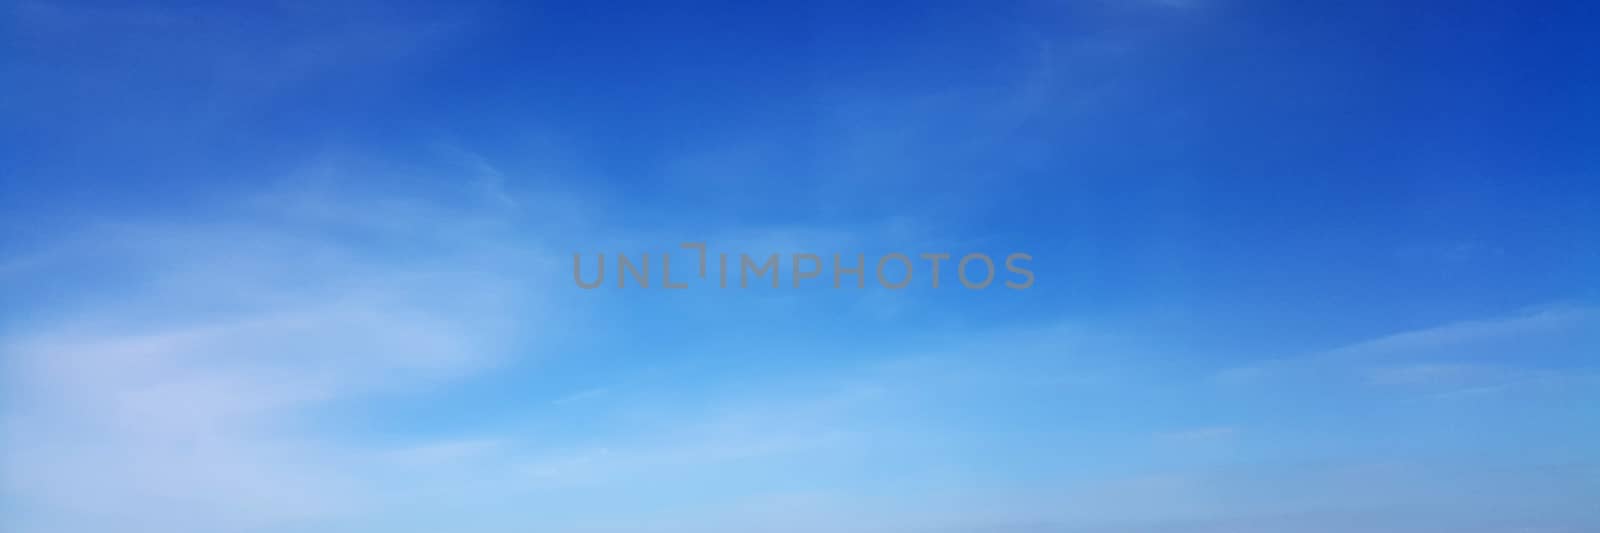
<point>308,267</point>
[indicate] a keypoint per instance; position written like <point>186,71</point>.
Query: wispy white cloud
<point>1449,381</point>
<point>1470,351</point>
<point>183,396</point>
<point>1553,320</point>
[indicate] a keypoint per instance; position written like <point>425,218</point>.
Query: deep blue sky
<point>1300,266</point>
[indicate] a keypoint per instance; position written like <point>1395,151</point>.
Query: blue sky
<point>302,267</point>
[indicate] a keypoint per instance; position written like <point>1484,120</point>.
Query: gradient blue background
<point>306,266</point>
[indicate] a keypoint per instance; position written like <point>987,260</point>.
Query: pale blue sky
<point>307,268</point>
